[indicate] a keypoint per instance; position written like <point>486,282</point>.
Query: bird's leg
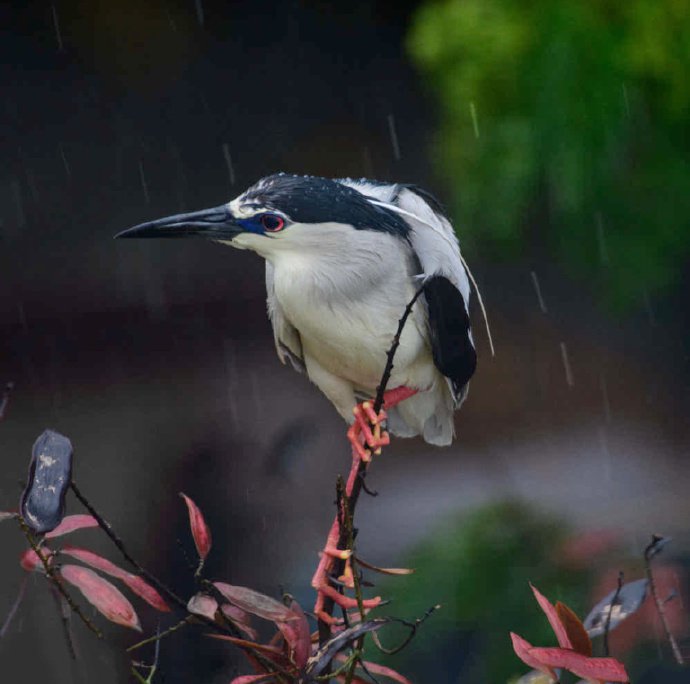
<point>366,430</point>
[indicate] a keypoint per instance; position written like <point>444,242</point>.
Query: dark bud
<point>43,501</point>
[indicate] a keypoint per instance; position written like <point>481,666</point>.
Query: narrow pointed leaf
<point>274,654</point>
<point>136,584</point>
<point>297,636</point>
<point>30,561</point>
<point>382,670</point>
<point>203,604</point>
<point>554,619</point>
<point>7,515</point>
<point>385,571</point>
<point>102,595</point>
<point>575,629</point>
<point>200,531</point>
<point>50,472</point>
<point>629,600</point>
<point>523,650</point>
<point>597,669</point>
<point>253,679</point>
<point>70,523</point>
<point>255,603</point>
<point>241,619</point>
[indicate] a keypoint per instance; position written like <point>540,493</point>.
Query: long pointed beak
<point>215,224</point>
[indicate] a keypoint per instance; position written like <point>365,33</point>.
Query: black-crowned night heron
<point>343,258</point>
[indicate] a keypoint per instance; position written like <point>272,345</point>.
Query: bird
<point>343,258</point>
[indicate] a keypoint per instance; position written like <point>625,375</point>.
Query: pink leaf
<point>597,669</point>
<point>137,584</point>
<point>250,679</point>
<point>255,603</point>
<point>240,618</point>
<point>102,595</point>
<point>554,619</point>
<point>297,636</point>
<point>523,650</point>
<point>203,604</point>
<point>382,670</point>
<point>30,561</point>
<point>70,523</point>
<point>200,531</point>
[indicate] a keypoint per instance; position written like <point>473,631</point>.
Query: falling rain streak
<point>394,137</point>
<point>144,186</point>
<point>475,124</point>
<point>56,24</point>
<point>537,289</point>
<point>199,12</point>
<point>601,239</point>
<point>65,163</point>
<point>566,365</point>
<point>228,162</point>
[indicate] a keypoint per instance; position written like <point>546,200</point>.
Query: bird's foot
<point>366,434</point>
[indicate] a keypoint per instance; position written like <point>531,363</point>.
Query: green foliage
<point>581,120</point>
<point>479,568</point>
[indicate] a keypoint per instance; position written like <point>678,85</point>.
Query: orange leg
<point>366,437</point>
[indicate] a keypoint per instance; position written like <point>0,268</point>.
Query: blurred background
<point>556,133</point>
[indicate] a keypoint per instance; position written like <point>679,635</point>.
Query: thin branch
<point>652,549</point>
<point>614,600</point>
<point>5,398</point>
<point>53,577</point>
<point>15,606</point>
<point>161,635</point>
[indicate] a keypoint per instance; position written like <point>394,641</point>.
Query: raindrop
<point>394,137</point>
<point>566,365</point>
<point>56,24</point>
<point>199,12</point>
<point>228,162</point>
<point>475,125</point>
<point>605,398</point>
<point>537,289</point>
<point>648,307</point>
<point>65,162</point>
<point>18,204</point>
<point>143,182</point>
<point>601,239</point>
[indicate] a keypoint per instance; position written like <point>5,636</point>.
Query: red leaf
<point>554,620</point>
<point>382,670</point>
<point>138,585</point>
<point>70,523</point>
<point>200,531</point>
<point>240,618</point>
<point>597,669</point>
<point>30,561</point>
<point>523,650</point>
<point>297,636</point>
<point>255,603</point>
<point>249,679</point>
<point>576,630</point>
<point>274,654</point>
<point>203,604</point>
<point>102,595</point>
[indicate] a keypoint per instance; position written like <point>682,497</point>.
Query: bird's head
<point>280,213</point>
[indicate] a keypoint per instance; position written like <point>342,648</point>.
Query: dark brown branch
<point>324,629</point>
<point>652,549</point>
<point>614,600</point>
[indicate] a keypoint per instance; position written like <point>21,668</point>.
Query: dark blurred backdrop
<point>157,359</point>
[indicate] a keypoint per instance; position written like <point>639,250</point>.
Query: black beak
<point>215,224</point>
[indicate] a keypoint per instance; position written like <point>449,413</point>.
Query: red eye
<point>272,223</point>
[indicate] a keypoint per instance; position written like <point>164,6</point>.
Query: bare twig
<point>5,398</point>
<point>15,606</point>
<point>614,600</point>
<point>652,549</point>
<point>161,635</point>
<point>53,577</point>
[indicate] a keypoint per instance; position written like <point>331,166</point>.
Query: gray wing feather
<point>287,338</point>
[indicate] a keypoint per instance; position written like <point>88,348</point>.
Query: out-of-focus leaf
<point>255,603</point>
<point>297,636</point>
<point>575,629</point>
<point>240,618</point>
<point>70,523</point>
<point>385,571</point>
<point>102,595</point>
<point>596,669</point>
<point>137,584</point>
<point>534,677</point>
<point>630,598</point>
<point>50,472</point>
<point>253,679</point>
<point>200,531</point>
<point>553,617</point>
<point>656,546</point>
<point>382,670</point>
<point>203,604</point>
<point>30,561</point>
<point>273,653</point>
<point>523,650</point>
<point>6,515</point>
